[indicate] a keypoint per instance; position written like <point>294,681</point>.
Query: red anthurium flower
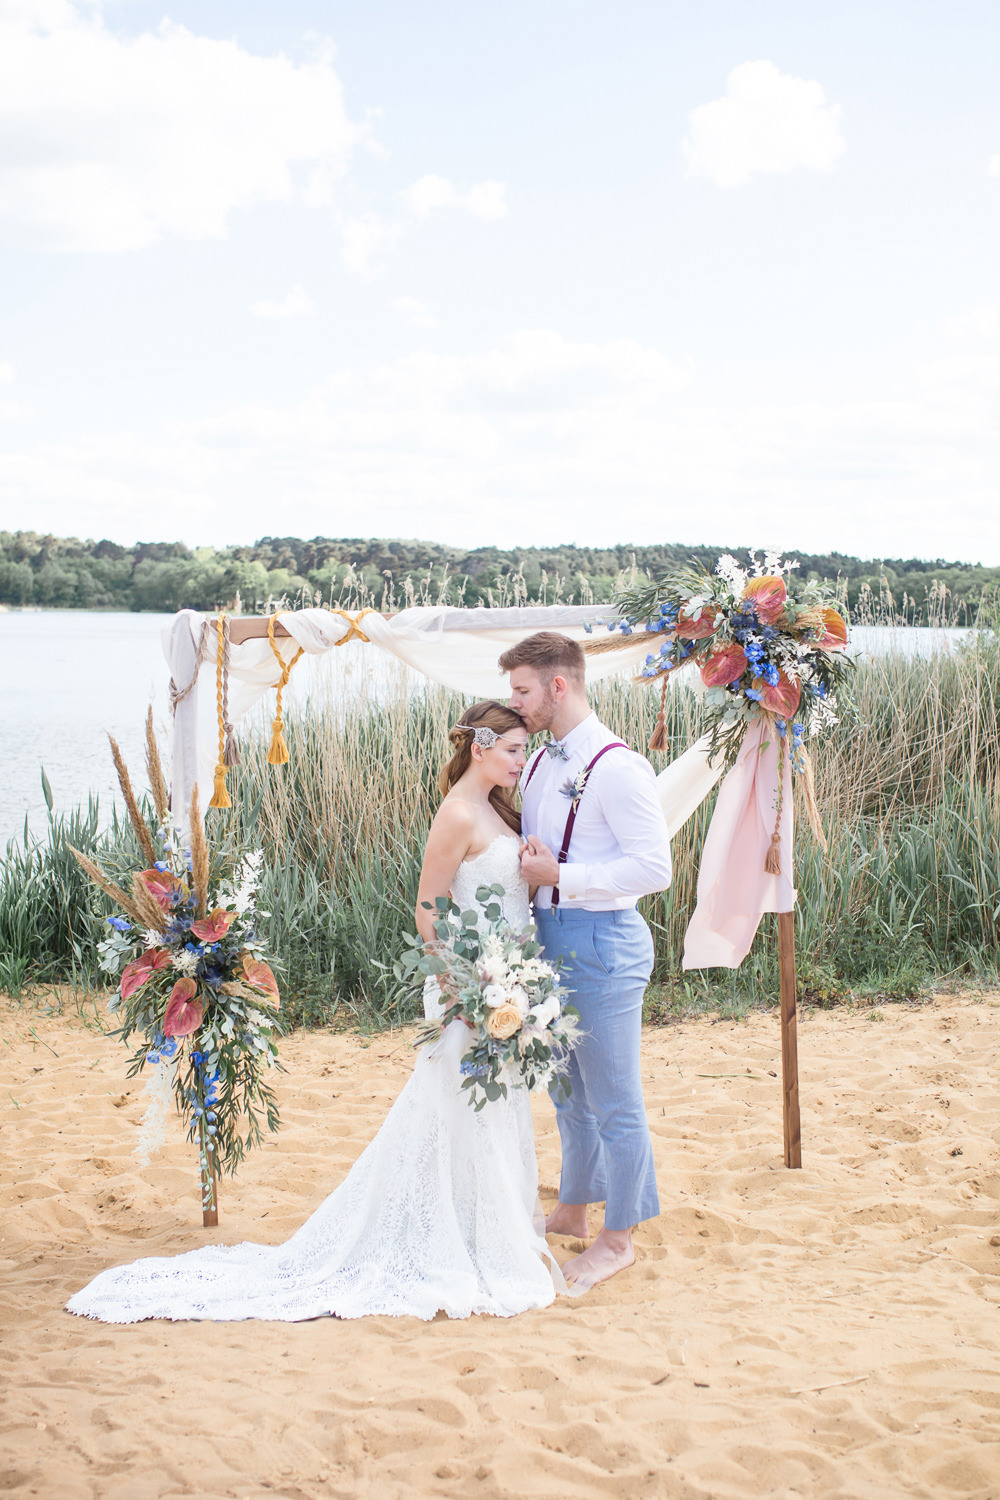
<point>213,927</point>
<point>164,888</point>
<point>260,978</point>
<point>184,1010</point>
<point>135,974</point>
<point>725,665</point>
<point>696,630</point>
<point>782,698</point>
<point>834,630</point>
<point>767,595</point>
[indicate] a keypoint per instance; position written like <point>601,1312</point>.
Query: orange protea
<point>135,974</point>
<point>782,698</point>
<point>215,926</point>
<point>165,889</point>
<point>696,630</point>
<point>724,665</point>
<point>260,978</point>
<point>767,595</point>
<point>184,1010</point>
<point>834,630</point>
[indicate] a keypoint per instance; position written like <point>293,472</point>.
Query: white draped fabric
<point>456,647</point>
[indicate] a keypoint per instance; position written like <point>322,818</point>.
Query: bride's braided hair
<point>501,720</point>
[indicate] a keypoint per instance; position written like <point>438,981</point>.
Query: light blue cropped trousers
<point>607,1154</point>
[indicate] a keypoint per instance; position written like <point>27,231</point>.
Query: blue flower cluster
<point>205,1089</point>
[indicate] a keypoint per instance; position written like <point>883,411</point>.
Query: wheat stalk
<point>108,886</point>
<point>154,769</point>
<point>199,854</point>
<point>137,820</point>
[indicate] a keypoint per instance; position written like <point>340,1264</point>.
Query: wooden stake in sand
<point>789,1040</point>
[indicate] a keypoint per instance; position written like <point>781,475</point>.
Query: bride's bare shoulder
<point>454,822</point>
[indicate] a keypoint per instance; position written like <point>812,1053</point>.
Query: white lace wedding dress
<point>439,1213</point>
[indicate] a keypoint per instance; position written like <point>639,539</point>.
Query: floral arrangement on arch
<point>764,645</point>
<point>521,1027</point>
<point>193,983</point>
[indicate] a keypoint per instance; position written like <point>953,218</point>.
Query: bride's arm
<point>449,841</point>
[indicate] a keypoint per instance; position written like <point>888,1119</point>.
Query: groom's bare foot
<point>568,1218</point>
<point>610,1253</point>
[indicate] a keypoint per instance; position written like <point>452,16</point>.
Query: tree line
<point>67,573</point>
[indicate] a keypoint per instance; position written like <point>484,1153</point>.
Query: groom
<point>613,846</point>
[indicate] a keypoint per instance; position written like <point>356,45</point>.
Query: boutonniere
<point>554,750</point>
<point>573,787</point>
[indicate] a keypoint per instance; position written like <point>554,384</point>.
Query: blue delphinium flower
<point>119,924</point>
<point>771,674</point>
<point>753,693</point>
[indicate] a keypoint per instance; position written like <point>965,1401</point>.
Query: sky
<point>543,272</point>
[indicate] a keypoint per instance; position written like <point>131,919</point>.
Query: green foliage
<point>67,573</point>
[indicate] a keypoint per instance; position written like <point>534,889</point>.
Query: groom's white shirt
<point>620,848</point>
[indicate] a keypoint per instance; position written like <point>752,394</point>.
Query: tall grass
<point>908,784</point>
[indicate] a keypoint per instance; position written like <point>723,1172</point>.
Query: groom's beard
<point>543,715</point>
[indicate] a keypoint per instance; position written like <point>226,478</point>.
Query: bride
<point>440,1211</point>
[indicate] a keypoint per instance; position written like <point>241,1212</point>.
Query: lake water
<point>68,678</point>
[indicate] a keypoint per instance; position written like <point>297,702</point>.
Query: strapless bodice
<point>499,864</point>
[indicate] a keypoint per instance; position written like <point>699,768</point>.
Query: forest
<point>66,573</point>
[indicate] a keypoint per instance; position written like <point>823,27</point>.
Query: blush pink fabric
<point>734,890</point>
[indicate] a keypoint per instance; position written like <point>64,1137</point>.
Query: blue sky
<point>519,274</point>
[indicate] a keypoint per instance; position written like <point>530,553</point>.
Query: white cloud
<point>6,373</point>
<point>484,200</point>
<point>994,167</point>
<point>113,143</point>
<point>419,316</point>
<point>487,200</point>
<point>768,122</point>
<point>980,323</point>
<point>362,240</point>
<point>297,304</point>
<point>540,438</point>
<point>430,192</point>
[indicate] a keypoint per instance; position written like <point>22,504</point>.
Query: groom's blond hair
<point>548,653</point>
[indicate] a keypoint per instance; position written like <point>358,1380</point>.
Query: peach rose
<point>503,1022</point>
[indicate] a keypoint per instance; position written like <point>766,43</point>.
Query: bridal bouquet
<point>193,986</point>
<point>521,1027</point>
<point>764,645</point>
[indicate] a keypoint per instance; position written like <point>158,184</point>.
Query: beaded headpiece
<point>484,737</point>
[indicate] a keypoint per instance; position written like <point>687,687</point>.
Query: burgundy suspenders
<point>574,806</point>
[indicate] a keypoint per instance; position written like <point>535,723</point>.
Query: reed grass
<point>909,791</point>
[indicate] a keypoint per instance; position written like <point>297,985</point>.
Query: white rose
<point>493,996</point>
<point>543,1015</point>
<point>519,997</point>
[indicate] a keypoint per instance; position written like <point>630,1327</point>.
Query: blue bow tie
<point>555,750</point>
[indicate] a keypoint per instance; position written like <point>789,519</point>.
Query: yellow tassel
<point>220,797</point>
<point>278,753</point>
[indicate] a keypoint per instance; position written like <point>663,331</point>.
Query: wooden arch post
<point>789,1040</point>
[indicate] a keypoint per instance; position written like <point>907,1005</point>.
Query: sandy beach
<point>832,1332</point>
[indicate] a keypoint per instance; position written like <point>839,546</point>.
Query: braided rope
<point>354,621</point>
<point>177,695</point>
<point>220,797</point>
<point>772,859</point>
<point>278,753</point>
